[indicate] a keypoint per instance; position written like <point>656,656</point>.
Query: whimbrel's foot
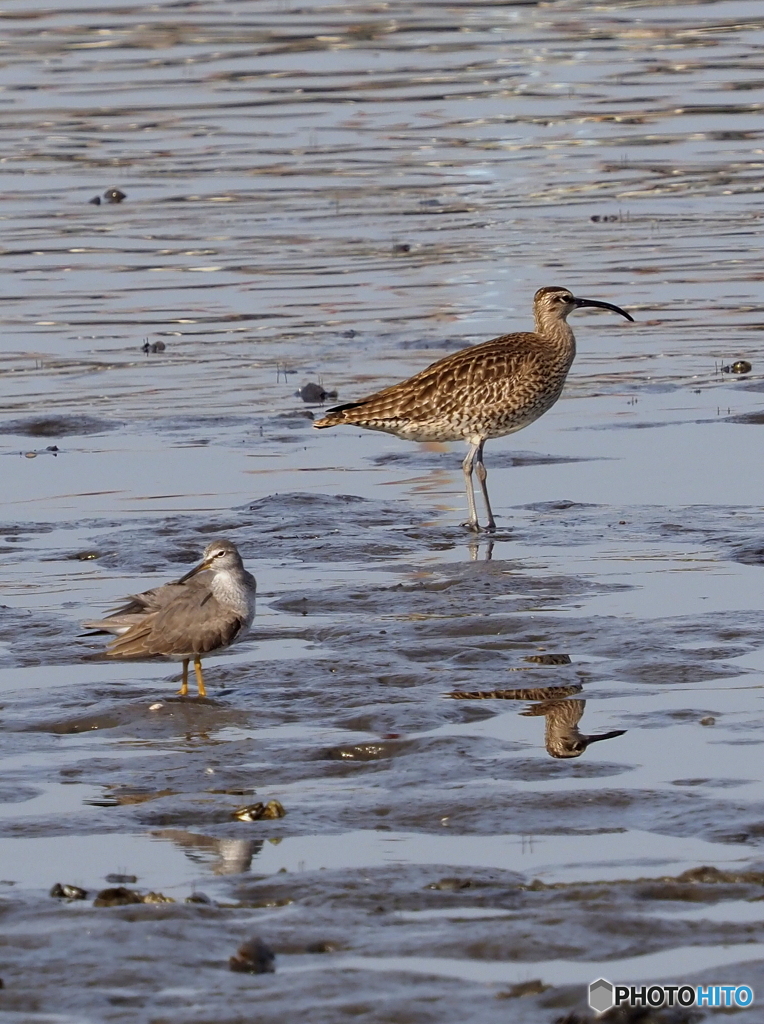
<point>477,528</point>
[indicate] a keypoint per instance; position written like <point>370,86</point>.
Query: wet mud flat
<point>435,862</point>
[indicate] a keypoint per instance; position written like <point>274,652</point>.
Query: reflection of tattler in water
<point>232,856</point>
<point>561,735</point>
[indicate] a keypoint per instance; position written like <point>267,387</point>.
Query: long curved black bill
<point>603,305</point>
<point>605,736</point>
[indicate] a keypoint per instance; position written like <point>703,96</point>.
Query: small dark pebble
<point>119,897</point>
<point>95,201</point>
<point>608,218</point>
<point>116,879</point>
<point>314,393</point>
<point>524,988</point>
<point>200,897</point>
<point>322,947</point>
<point>450,884</point>
<point>708,720</point>
<point>548,659</point>
<point>402,247</point>
<point>349,334</point>
<point>253,957</point>
<point>68,892</point>
<point>234,790</point>
<point>157,346</point>
<point>114,195</point>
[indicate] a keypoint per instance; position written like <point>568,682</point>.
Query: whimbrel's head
<point>219,555</point>
<point>562,736</point>
<point>574,744</point>
<point>552,304</point>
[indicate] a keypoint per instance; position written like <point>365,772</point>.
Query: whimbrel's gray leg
<point>183,691</point>
<point>468,465</point>
<point>482,475</point>
<point>199,677</point>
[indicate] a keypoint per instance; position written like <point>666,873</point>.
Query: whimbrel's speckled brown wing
<point>497,373</point>
<point>193,622</point>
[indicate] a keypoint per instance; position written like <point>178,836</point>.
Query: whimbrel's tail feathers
<point>335,415</point>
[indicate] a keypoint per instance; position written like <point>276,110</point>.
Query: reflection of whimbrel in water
<point>561,735</point>
<point>208,608</point>
<point>485,391</point>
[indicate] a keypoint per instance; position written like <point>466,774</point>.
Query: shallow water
<point>342,193</point>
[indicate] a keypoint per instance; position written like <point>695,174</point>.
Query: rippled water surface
<point>342,193</point>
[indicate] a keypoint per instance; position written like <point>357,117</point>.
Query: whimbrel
<point>205,610</point>
<point>485,391</point>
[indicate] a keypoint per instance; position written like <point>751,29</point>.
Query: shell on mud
<point>68,892</point>
<point>259,811</point>
<point>157,897</point>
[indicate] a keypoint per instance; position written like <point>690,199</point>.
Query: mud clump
<point>524,988</point>
<point>68,892</point>
<point>57,426</point>
<point>122,897</point>
<point>117,897</point>
<point>253,957</point>
<point>314,394</point>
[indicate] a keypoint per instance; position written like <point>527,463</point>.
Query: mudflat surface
<point>342,193</point>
